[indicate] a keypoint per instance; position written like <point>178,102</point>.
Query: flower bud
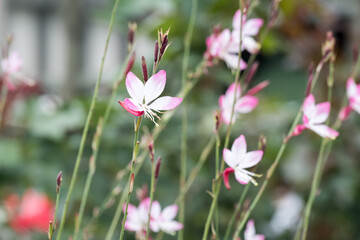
<point>130,64</point>
<point>252,72</point>
<point>158,164</point>
<point>131,34</point>
<point>144,69</point>
<point>262,143</point>
<point>328,46</point>
<point>258,88</point>
<point>156,52</point>
<point>151,152</point>
<point>131,185</point>
<point>217,121</point>
<point>58,182</point>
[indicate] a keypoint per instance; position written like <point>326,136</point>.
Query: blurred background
<point>62,42</point>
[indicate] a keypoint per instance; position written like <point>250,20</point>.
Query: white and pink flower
<point>250,28</point>
<point>238,159</point>
<point>250,233</point>
<point>313,118</point>
<point>145,98</point>
<point>353,93</point>
<point>137,218</point>
<point>243,104</point>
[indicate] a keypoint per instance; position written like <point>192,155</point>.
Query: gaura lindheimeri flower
<point>243,104</point>
<point>223,47</point>
<point>314,116</point>
<point>11,68</point>
<point>353,93</point>
<point>238,159</point>
<point>250,28</point>
<point>250,234</point>
<point>159,220</point>
<point>32,212</point>
<point>145,98</point>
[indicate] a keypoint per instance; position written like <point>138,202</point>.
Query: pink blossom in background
<point>238,159</point>
<point>159,220</point>
<point>243,104</point>
<point>250,28</point>
<point>314,116</point>
<point>11,69</point>
<point>145,97</point>
<point>32,212</point>
<point>353,93</point>
<point>250,233</point>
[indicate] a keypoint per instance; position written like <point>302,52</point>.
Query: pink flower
<point>223,47</point>
<point>250,28</point>
<point>164,220</point>
<point>238,159</point>
<point>314,116</point>
<point>353,93</point>
<point>137,218</point>
<point>250,234</point>
<point>243,104</point>
<point>32,212</point>
<point>11,67</point>
<point>144,97</point>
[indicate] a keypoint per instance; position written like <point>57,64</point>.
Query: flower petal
<point>229,158</point>
<point>252,26</point>
<point>324,131</point>
<point>322,111</point>
<point>249,232</point>
<point>251,159</point>
<point>131,107</point>
<point>220,43</point>
<point>239,147</point>
<point>242,177</point>
<point>309,106</point>
<point>155,209</point>
<point>251,45</point>
<point>232,61</point>
<point>246,104</point>
<point>135,87</point>
<point>236,19</point>
<point>226,174</point>
<point>170,227</point>
<point>351,88</point>
<point>155,86</point>
<point>169,212</point>
<point>165,103</point>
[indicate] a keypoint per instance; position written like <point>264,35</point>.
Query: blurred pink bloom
<point>11,68</point>
<point>243,104</point>
<point>223,47</point>
<point>250,234</point>
<point>250,28</point>
<point>143,96</point>
<point>32,212</point>
<point>159,220</point>
<point>314,116</point>
<point>238,159</point>
<point>353,93</point>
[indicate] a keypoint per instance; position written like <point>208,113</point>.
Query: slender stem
<point>87,124</point>
<point>4,93</point>
<point>53,225</point>
<point>185,63</point>
<point>131,177</point>
<point>152,190</point>
<point>236,212</point>
<point>217,173</point>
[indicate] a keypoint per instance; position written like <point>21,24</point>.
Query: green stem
<point>217,174</point>
<point>185,63</point>
<point>53,226</point>
<point>4,93</point>
<point>152,190</point>
<point>131,181</point>
<point>87,124</point>
<point>236,212</point>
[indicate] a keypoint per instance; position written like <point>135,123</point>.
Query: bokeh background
<point>62,43</point>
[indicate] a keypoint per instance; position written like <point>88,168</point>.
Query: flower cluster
<point>225,45</point>
<point>137,218</point>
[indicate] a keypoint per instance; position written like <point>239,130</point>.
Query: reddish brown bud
<point>258,87</point>
<point>158,164</point>
<point>151,152</point>
<point>217,121</point>
<point>131,34</point>
<point>310,78</point>
<point>156,52</point>
<point>144,68</point>
<point>131,185</point>
<point>262,143</point>
<point>130,64</point>
<point>163,46</point>
<point>58,181</point>
<point>252,72</point>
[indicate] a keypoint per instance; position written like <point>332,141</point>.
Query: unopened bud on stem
<point>58,182</point>
<point>252,72</point>
<point>131,34</point>
<point>156,52</point>
<point>144,68</point>
<point>158,164</point>
<point>151,152</point>
<point>130,64</point>
<point>131,185</point>
<point>262,143</point>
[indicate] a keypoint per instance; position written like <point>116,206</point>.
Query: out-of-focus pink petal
<point>226,115</point>
<point>231,90</point>
<point>239,147</point>
<point>258,88</point>
<point>298,130</point>
<point>135,87</point>
<point>155,86</point>
<point>220,43</point>
<point>132,226</point>
<point>232,61</point>
<point>252,26</point>
<point>251,45</point>
<point>309,106</point>
<point>230,159</point>
<point>165,103</point>
<point>170,227</point>
<point>344,113</point>
<point>351,88</point>
<point>322,113</point>
<point>242,178</point>
<point>226,174</point>
<point>249,232</point>
<point>324,131</point>
<point>129,106</point>
<point>236,19</point>
<point>246,104</point>
<point>169,212</point>
<point>155,209</point>
<point>251,159</point>
<point>221,101</point>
